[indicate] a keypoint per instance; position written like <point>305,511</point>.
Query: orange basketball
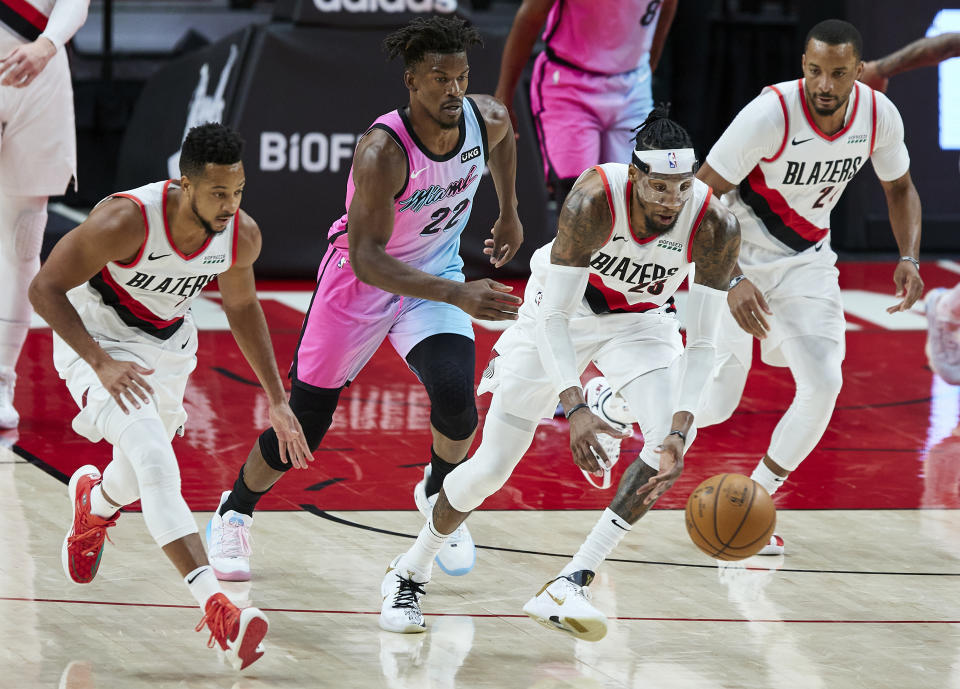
<point>730,517</point>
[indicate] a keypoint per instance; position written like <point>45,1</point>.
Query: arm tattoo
<point>585,223</point>
<point>716,247</point>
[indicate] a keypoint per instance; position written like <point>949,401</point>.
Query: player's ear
<point>409,80</point>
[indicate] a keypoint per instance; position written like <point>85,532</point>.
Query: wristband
<point>912,260</point>
<point>575,408</point>
<point>736,281</point>
<point>683,436</point>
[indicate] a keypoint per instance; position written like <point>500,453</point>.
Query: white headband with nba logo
<point>666,162</point>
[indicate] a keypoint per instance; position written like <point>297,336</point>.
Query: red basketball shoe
<point>237,632</point>
<point>83,544</point>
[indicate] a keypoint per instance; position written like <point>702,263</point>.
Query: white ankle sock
<point>203,584</point>
<point>420,556</point>
<point>605,536</point>
<point>766,478</point>
<point>99,505</point>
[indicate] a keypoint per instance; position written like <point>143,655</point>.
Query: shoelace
<point>408,596</point>
<point>94,534</point>
<point>235,540</point>
<point>457,537</point>
<point>221,620</point>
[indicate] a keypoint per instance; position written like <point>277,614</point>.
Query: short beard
<point>656,228</point>
<point>207,227</point>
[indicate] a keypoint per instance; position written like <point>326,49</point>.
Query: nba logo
<point>343,259</point>
<point>672,159</point>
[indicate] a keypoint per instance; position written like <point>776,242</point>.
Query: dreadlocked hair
<point>434,34</point>
<point>659,132</point>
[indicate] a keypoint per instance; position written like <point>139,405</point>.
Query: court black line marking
<point>312,509</point>
<point>488,615</point>
<point>40,464</point>
<point>324,484</point>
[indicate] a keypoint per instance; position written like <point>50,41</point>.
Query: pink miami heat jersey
<point>630,274</point>
<point>153,292</point>
<point>434,205</point>
<point>787,190</point>
<point>601,36</point>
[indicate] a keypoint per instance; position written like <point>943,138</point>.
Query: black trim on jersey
<point>17,23</point>
<point>598,303</point>
<point>292,374</point>
<point>778,229</point>
<point>552,177</point>
<point>483,129</point>
<point>335,236</point>
<point>423,149</point>
<point>393,135</point>
<point>556,24</point>
<point>112,299</point>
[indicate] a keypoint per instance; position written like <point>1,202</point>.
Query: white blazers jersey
<point>629,274</point>
<point>153,292</point>
<point>791,193</point>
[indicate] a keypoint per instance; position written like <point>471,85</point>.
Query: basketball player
<point>393,270</point>
<point>783,163</point>
<point>593,78</point>
<point>38,157</point>
<point>117,292</point>
<point>602,291</point>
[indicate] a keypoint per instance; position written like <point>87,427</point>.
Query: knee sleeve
<point>816,366</point>
<point>724,392</point>
<point>445,365</point>
<point>505,440</point>
<point>314,410</point>
<point>165,512</point>
<point>120,480</point>
<point>28,234</point>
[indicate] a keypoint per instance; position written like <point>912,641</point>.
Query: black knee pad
<point>445,364</point>
<point>314,409</point>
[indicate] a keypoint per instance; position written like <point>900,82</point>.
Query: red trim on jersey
<point>696,224</point>
<point>786,126</point>
<point>236,235</point>
<point>816,129</point>
<point>36,18</point>
<point>781,207</point>
<point>873,124</point>
<point>146,226</point>
<point>606,188</point>
<point>166,227</point>
<point>135,307</point>
<point>615,300</point>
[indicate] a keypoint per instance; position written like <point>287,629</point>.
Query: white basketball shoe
<point>458,554</point>
<point>400,610</point>
<point>564,605</point>
<point>9,418</point>
<point>228,543</point>
<point>774,547</point>
<point>613,409</point>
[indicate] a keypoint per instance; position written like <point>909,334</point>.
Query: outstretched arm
<point>507,231</point>
<point>903,205</point>
<point>667,13</point>
<point>924,52</point>
<point>583,228</point>
<point>715,249</point>
<point>239,293</point>
<point>526,25</point>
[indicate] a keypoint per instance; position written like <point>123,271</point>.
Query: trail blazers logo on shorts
<point>470,155</point>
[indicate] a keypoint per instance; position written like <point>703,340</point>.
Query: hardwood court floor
<point>867,595</point>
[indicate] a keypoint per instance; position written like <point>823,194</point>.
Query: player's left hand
<point>293,444</point>
<point>507,237</point>
<point>909,286</point>
<point>671,466</point>
<point>24,63</point>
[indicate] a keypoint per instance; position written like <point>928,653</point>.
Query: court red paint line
<point>477,615</point>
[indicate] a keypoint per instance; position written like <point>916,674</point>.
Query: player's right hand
<point>488,300</point>
<point>747,306</point>
<point>125,382</point>
<point>587,451</point>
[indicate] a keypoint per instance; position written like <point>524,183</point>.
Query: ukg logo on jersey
<point>445,6</point>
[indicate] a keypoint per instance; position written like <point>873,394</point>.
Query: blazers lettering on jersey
<point>828,171</point>
<point>23,18</point>
<point>640,274</point>
<point>131,311</point>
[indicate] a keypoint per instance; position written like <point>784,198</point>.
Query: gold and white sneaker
<point>564,605</point>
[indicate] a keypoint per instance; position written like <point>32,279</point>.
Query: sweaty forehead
<point>676,179</point>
